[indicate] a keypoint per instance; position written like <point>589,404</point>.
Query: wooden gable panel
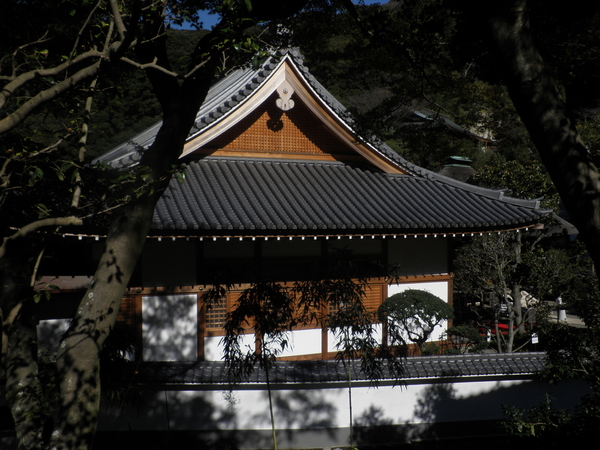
<point>273,133</point>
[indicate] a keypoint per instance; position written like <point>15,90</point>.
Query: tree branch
<point>31,227</point>
<point>151,65</point>
<point>545,114</point>
<point>83,27</point>
<point>121,29</point>
<point>13,57</point>
<point>351,8</point>
<point>87,114</point>
<point>21,80</point>
<point>43,97</point>
<point>127,36</point>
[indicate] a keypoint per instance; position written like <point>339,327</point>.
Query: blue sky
<point>211,19</point>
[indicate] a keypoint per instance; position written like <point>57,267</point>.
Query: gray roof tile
<point>416,370</point>
<point>245,196</point>
<point>236,196</point>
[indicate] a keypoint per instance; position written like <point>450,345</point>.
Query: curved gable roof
<point>237,95</point>
<point>256,194</point>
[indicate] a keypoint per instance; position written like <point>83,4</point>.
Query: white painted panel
<point>213,347</point>
<point>302,342</point>
<point>50,333</point>
<point>437,288</point>
<point>333,339</point>
<point>170,328</point>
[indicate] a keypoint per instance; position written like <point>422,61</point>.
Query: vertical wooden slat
<point>373,296</point>
<point>324,332</point>
<point>201,327</point>
<point>137,307</point>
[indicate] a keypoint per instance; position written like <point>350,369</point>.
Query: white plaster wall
<point>328,408</point>
<point>437,288</point>
<point>213,347</point>
<point>170,328</point>
<point>333,339</point>
<point>50,332</point>
<point>302,342</point>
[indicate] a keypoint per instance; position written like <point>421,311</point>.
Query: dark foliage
<point>412,315</point>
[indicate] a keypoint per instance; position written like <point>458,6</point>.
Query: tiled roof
<point>230,197</point>
<point>229,93</point>
<point>223,98</point>
<point>236,196</point>
<point>416,370</point>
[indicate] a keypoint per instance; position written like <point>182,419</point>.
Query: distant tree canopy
<point>404,59</point>
<point>434,54</point>
<point>126,104</point>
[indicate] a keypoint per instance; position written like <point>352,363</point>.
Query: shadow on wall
<point>317,419</point>
<point>372,427</point>
<point>459,410</point>
<point>170,328</point>
<point>452,402</point>
<point>170,420</point>
<point>302,410</point>
<point>210,419</point>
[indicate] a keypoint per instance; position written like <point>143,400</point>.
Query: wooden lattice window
<point>216,314</point>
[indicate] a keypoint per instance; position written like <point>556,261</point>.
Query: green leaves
<point>522,179</point>
<point>35,174</point>
<point>179,172</point>
<point>44,292</point>
<point>555,427</point>
<point>412,315</point>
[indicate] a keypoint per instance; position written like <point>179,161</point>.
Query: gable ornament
<point>285,91</point>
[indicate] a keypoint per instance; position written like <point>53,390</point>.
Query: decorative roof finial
<point>285,91</point>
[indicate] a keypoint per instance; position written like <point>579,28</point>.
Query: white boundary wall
<point>321,409</point>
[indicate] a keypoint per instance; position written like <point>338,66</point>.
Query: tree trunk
<point>78,369</point>
<point>543,111</point>
<point>24,393</point>
<point>516,288</point>
<point>510,335</point>
<point>78,356</point>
